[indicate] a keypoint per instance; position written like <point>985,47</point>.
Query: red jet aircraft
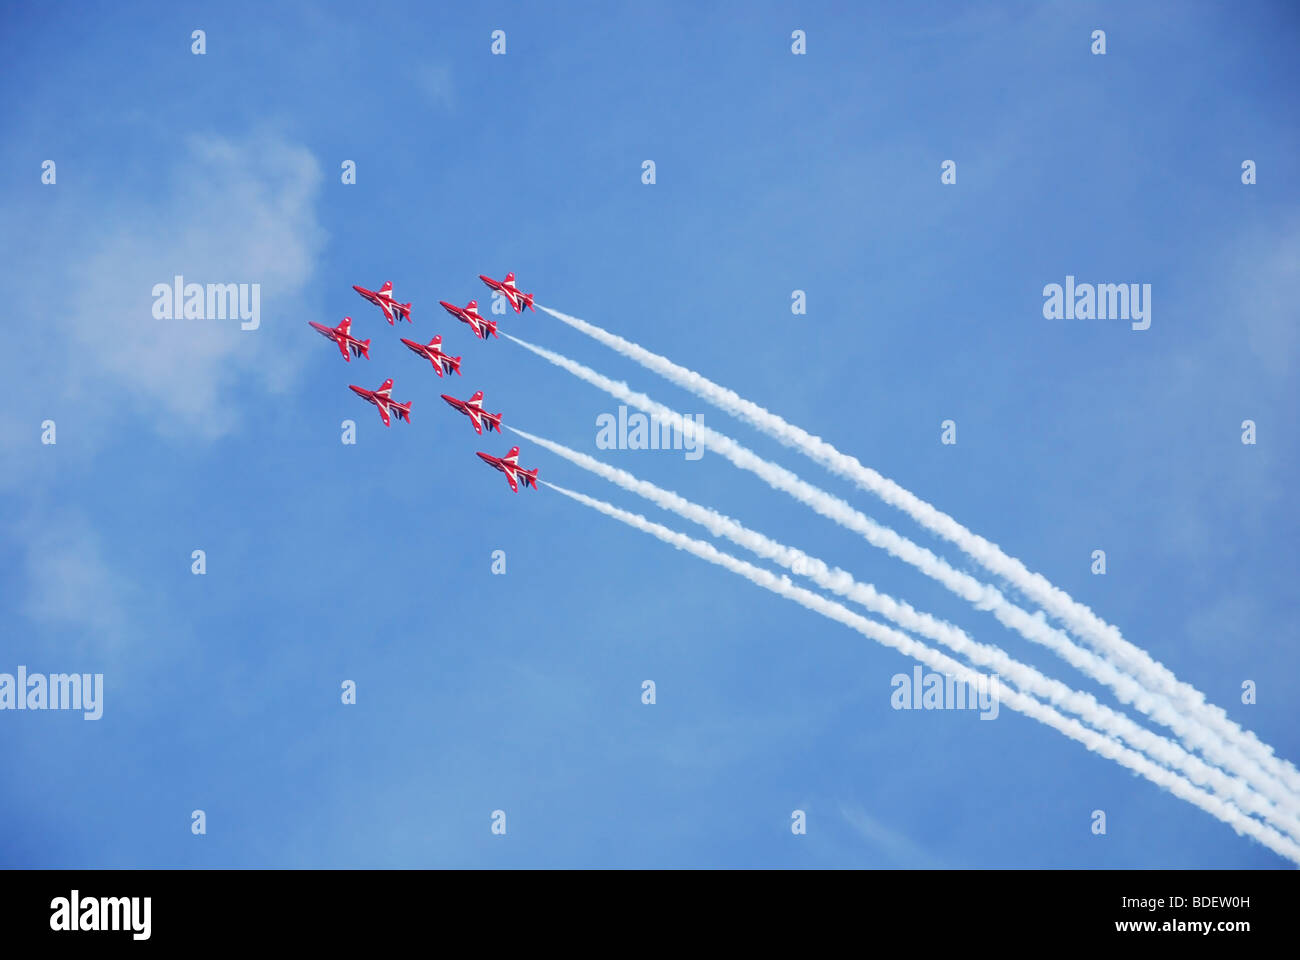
<point>344,338</point>
<point>381,399</point>
<point>481,325</point>
<point>432,351</point>
<point>473,408</point>
<point>509,465</point>
<point>507,286</point>
<point>383,298</point>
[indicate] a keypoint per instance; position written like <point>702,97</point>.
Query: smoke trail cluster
<point>1076,617</point>
<point>1239,778</point>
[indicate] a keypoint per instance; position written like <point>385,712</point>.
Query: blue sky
<point>775,172</point>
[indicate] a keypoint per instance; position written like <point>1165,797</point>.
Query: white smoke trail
<point>1025,677</point>
<point>1077,617</point>
<point>983,596</point>
<point>1016,700</point>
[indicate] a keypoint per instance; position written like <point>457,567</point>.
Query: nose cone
<point>488,458</point>
<point>451,400</point>
<point>447,306</point>
<point>359,391</point>
<point>358,289</point>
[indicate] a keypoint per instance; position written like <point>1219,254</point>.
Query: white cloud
<point>69,582</point>
<point>93,354</point>
<point>94,359</point>
<point>234,213</point>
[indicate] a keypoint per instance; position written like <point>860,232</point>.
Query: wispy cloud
<point>233,213</point>
<point>228,211</point>
<point>893,845</point>
<point>69,582</point>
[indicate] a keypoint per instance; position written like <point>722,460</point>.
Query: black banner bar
<point>336,908</point>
